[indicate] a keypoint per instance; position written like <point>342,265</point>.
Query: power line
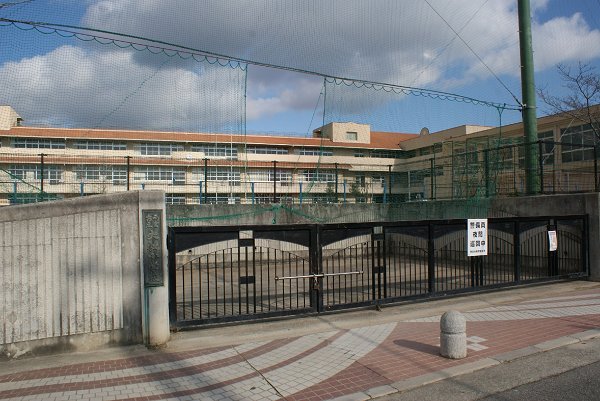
<point>474,53</point>
<point>451,41</point>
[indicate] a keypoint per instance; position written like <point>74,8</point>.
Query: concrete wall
<point>72,274</point>
<point>182,215</point>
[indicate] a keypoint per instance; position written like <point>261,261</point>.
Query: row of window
<point>265,150</point>
<point>176,175</point>
<point>165,149</point>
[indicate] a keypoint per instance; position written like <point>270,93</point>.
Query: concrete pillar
<point>453,335</point>
<point>153,257</point>
<point>157,315</point>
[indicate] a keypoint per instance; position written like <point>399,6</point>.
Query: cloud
<point>72,86</point>
<point>272,92</point>
<point>559,40</point>
<point>563,40</point>
<point>398,42</point>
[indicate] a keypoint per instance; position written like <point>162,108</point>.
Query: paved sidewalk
<point>352,356</point>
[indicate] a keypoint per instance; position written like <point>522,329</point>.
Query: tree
<point>330,195</point>
<point>582,101</point>
<point>356,191</point>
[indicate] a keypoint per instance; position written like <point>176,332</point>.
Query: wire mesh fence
<point>455,171</point>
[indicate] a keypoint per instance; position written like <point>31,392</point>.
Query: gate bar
<point>317,275</point>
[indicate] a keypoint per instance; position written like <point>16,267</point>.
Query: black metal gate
<point>246,272</point>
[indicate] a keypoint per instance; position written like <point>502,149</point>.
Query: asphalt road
<point>566,373</point>
<point>577,385</point>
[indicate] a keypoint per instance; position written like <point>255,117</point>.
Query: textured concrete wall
<point>204,215</point>
<point>71,276</point>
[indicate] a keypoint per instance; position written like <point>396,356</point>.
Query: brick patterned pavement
<point>316,366</point>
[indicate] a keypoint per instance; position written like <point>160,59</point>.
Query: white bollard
<point>453,335</point>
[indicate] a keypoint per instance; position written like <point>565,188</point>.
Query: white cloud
<point>401,42</point>
<point>563,40</point>
<point>85,88</point>
<point>273,92</point>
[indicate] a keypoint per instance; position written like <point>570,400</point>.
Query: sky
<point>465,47</point>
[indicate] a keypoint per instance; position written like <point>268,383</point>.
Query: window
<point>360,179</point>
<point>548,146</point>
<point>216,150</point>
<point>282,176</point>
<point>218,199</point>
<point>267,176</point>
<point>577,143</point>
<point>418,177</point>
<point>174,174</point>
<point>174,199</point>
<point>387,154</point>
<point>315,152</point>
<point>262,199</point>
<point>115,174</point>
<point>378,179</point>
<point>318,176</point>
<point>159,149</point>
<point>351,136</point>
<point>360,153</point>
<point>100,145</point>
<point>224,175</point>
<point>263,150</point>
<point>37,143</point>
<point>52,174</point>
<point>22,171</point>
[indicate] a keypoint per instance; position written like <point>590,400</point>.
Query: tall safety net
<point>183,96</point>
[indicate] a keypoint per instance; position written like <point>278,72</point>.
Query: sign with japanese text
<point>552,241</point>
<point>477,243</point>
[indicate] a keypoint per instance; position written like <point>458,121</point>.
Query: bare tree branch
<point>583,97</point>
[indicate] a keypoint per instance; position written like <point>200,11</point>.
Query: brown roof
<point>379,140</point>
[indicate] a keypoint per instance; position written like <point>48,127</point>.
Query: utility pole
<point>532,179</point>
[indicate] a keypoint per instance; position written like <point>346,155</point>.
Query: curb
<point>429,378</point>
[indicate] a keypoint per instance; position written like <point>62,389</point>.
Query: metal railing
<point>466,174</point>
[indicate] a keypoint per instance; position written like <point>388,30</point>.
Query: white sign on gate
<point>552,241</point>
<point>477,239</point>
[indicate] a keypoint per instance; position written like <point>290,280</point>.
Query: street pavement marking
<point>195,381</point>
<point>553,308</point>
<point>128,372</point>
<point>329,361</point>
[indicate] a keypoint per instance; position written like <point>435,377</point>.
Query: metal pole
<point>541,164</point>
<point>596,167</point>
<point>274,181</point>
<point>81,192</point>
<point>345,184</point>
<point>128,158</point>
<point>252,190</point>
<point>486,161</point>
<point>409,185</point>
<point>336,182</point>
<point>200,192</point>
<point>42,175</point>
<point>385,200</point>
<point>300,194</point>
<point>205,180</point>
<point>432,176</point>
<point>452,174</point>
<point>528,92</point>
<point>390,181</point>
